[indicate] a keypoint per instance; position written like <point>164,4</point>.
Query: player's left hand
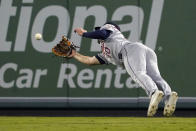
<point>65,48</point>
<point>73,53</point>
<point>80,31</point>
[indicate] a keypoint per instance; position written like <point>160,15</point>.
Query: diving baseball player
<point>139,61</point>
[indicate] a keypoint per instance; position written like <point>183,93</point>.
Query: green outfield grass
<point>96,124</point>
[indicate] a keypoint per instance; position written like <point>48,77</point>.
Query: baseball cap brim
<point>97,28</point>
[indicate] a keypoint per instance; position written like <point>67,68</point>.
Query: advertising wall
<point>31,76</point>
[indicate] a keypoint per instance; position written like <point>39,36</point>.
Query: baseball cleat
<point>154,102</point>
<point>170,105</point>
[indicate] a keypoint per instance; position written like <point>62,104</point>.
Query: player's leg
<point>153,72</point>
<point>134,57</point>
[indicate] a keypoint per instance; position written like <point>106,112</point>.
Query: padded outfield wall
<point>30,76</point>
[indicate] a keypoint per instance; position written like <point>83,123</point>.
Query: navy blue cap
<point>111,23</point>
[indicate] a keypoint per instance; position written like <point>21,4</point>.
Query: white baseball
<point>38,36</point>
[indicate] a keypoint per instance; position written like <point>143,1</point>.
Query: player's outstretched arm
<point>85,59</point>
<point>80,31</point>
<point>97,34</point>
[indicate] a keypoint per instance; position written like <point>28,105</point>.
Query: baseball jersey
<point>111,46</point>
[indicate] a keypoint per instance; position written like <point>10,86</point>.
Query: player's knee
<point>140,74</point>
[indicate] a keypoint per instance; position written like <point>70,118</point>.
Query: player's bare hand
<point>80,31</point>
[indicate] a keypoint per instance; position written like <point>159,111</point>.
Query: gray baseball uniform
<point>139,61</point>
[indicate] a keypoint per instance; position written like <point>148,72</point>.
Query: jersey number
<point>105,50</point>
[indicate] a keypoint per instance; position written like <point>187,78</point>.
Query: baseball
<point>38,36</point>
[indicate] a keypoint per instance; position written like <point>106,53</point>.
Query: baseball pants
<point>141,64</point>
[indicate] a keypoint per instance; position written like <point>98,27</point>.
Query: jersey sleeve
<point>101,59</point>
<point>97,34</point>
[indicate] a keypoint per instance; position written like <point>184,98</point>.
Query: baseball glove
<point>64,48</point>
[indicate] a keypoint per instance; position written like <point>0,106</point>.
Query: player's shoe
<point>154,102</point>
<point>170,104</point>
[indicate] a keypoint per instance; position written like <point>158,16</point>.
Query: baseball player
<point>139,61</point>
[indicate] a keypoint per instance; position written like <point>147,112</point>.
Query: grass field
<point>96,124</point>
